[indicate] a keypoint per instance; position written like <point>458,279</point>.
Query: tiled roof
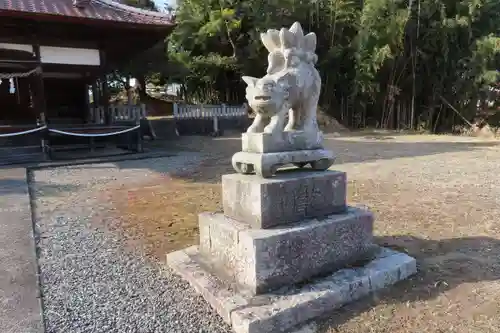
<point>108,10</point>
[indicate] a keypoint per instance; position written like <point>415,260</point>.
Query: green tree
<point>392,64</point>
<point>148,66</point>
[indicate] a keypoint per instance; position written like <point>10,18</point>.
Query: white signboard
<point>69,56</point>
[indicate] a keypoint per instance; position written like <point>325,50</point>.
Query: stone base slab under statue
<point>266,164</point>
<point>281,142</point>
<point>287,247</point>
<point>288,309</point>
<point>264,153</point>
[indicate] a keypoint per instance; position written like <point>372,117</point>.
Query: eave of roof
<point>97,11</point>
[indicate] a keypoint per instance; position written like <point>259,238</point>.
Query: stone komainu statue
<point>285,100</point>
<point>291,86</point>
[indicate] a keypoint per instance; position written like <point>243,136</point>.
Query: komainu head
<point>267,95</point>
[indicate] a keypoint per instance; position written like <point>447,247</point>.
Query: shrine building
<point>54,58</point>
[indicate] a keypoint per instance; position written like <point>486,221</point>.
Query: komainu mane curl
<point>287,43</point>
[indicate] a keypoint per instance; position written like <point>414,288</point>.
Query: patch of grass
<point>162,218</point>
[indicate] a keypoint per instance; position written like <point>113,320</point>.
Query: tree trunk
<point>141,80</point>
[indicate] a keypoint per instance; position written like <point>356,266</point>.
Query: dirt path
<point>435,197</point>
<point>442,208</point>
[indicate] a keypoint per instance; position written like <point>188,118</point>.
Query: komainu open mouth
<point>262,98</point>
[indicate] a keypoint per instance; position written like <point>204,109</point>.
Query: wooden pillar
<point>105,98</point>
<point>40,103</point>
<point>104,85</point>
<point>140,148</point>
<point>86,117</point>
<point>95,94</point>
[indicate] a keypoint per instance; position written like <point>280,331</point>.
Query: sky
<point>161,3</point>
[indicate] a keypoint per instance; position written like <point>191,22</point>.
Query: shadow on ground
<point>219,152</point>
<point>365,151</point>
<point>18,186</point>
<point>443,265</point>
<point>12,186</point>
<point>55,190</point>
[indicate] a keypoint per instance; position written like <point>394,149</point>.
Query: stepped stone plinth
<point>260,260</point>
<point>281,254</point>
<point>286,248</point>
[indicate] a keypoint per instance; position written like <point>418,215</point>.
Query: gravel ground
<point>435,198</point>
<point>90,283</point>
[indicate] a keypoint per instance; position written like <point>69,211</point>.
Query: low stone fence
<point>210,119</point>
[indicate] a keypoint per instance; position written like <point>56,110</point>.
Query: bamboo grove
<point>413,64</point>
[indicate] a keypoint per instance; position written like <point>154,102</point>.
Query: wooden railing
<point>117,113</point>
<point>209,119</point>
<point>97,115</point>
<point>39,141</point>
<point>186,111</point>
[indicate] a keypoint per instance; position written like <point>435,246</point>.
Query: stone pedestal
<point>281,141</point>
<point>286,249</point>
<point>264,153</point>
<point>293,196</point>
<point>261,260</point>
